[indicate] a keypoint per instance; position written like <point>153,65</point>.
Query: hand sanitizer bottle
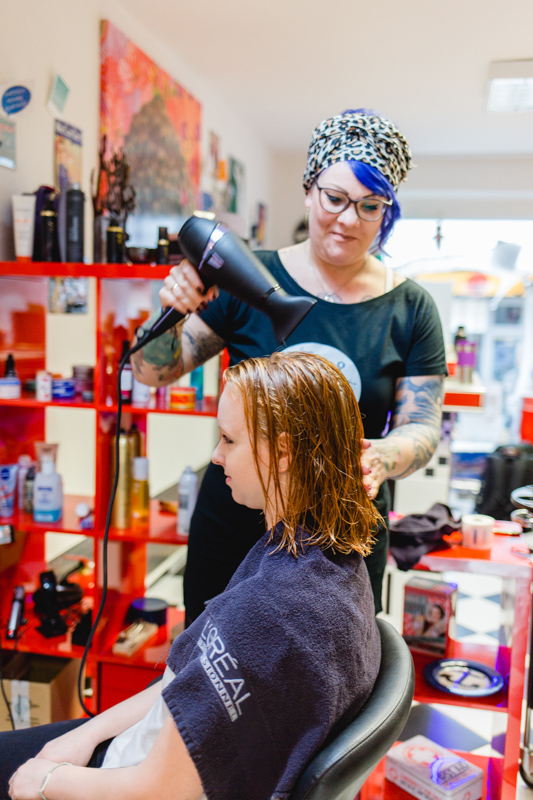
<point>47,492</point>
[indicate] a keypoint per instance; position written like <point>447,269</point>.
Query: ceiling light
<point>510,86</point>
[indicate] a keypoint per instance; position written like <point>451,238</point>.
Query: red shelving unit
<point>24,300</point>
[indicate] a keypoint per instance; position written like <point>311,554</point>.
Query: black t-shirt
<point>395,335</point>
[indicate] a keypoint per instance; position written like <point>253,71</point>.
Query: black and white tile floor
<point>478,617</point>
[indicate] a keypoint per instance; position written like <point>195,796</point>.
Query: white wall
<point>38,39</point>
<point>437,188</point>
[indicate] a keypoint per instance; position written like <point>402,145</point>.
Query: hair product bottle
<point>121,515</point>
<point>187,494</point>
<point>161,256</point>
<point>126,378</point>
<point>29,482</point>
<point>47,492</point>
<point>25,463</point>
<point>75,201</point>
<point>140,493</point>
<point>115,242</point>
<point>49,241</point>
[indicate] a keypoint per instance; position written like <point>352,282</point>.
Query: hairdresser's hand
<point>184,291</point>
<point>25,783</point>
<point>374,472</point>
<point>76,746</point>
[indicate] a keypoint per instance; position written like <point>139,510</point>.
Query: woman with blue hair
<point>382,330</point>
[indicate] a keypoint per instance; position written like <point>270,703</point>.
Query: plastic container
<point>9,388</point>
<point>43,386</point>
<point>140,393</point>
<point>47,492</point>
<point>183,398</point>
<point>75,223</point>
<point>187,494</point>
<point>63,388</point>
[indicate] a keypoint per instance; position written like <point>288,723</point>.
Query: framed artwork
<point>156,122</point>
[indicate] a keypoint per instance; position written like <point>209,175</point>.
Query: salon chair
<point>341,768</point>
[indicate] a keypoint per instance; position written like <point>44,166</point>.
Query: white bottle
<point>47,492</point>
<point>25,463</point>
<point>187,494</point>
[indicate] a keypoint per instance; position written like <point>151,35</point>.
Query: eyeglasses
<point>369,209</point>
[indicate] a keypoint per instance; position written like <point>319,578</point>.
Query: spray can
<point>187,494</point>
<point>75,222</point>
<point>121,515</point>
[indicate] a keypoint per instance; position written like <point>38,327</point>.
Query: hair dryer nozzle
<point>286,312</point>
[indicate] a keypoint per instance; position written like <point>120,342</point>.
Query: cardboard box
<point>429,615</point>
<point>40,689</point>
<point>430,772</point>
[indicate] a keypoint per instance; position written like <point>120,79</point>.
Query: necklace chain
<point>332,296</point>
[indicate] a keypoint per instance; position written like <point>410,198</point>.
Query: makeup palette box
<point>428,771</point>
<point>429,615</point>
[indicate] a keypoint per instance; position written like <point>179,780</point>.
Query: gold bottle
<point>121,515</point>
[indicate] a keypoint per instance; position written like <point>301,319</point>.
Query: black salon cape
<point>276,665</point>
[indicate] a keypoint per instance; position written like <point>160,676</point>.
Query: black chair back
<point>341,768</point>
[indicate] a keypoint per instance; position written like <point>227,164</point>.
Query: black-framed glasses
<point>369,209</point>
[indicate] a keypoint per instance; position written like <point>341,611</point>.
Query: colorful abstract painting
<point>157,123</point>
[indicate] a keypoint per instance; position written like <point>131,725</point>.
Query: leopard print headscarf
<point>358,137</point>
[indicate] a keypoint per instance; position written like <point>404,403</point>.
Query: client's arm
<point>77,745</point>
<point>167,773</point>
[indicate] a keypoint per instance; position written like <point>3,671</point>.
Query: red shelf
<point>112,271</point>
<point>69,522</point>
<point>205,408</point>
<point>485,654</point>
<point>161,529</point>
<point>29,401</point>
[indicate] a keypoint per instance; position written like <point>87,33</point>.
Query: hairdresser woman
<point>382,330</point>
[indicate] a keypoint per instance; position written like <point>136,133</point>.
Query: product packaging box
<point>430,772</point>
<point>429,615</point>
<point>40,689</point>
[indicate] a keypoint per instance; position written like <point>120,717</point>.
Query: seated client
<point>280,661</point>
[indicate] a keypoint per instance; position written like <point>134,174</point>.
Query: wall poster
<point>145,112</point>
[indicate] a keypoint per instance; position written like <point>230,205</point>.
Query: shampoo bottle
<point>187,493</point>
<point>47,492</point>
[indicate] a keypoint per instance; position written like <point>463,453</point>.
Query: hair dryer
<point>222,258</point>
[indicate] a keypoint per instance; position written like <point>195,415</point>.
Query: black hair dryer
<point>222,258</point>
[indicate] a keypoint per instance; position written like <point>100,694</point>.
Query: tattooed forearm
<point>160,361</point>
<point>176,352</point>
<point>201,345</point>
<point>415,430</point>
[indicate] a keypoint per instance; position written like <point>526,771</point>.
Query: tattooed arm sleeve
<point>414,435</point>
<point>176,352</point>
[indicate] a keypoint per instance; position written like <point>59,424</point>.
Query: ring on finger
<point>174,287</point>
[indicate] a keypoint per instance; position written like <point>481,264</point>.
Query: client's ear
<point>284,455</point>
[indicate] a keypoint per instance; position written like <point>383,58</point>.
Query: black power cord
<point>106,537</point>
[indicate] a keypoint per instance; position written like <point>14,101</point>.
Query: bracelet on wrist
<point>47,776</point>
